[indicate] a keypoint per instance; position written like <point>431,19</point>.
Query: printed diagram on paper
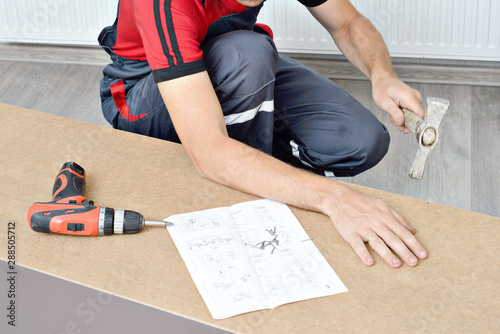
<point>251,256</point>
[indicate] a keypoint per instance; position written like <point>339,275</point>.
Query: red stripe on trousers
<point>118,93</point>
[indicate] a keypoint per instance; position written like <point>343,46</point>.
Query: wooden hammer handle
<point>412,120</point>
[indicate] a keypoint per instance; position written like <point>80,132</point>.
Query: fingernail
<point>396,261</point>
<point>423,254</point>
<point>413,260</point>
<point>369,260</point>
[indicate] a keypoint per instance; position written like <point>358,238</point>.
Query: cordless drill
<point>70,212</point>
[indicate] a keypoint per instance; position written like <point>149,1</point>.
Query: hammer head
<point>426,131</point>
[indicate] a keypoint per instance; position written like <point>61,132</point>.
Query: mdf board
<point>454,290</point>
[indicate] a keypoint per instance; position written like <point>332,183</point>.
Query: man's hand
<point>364,219</point>
<point>391,94</point>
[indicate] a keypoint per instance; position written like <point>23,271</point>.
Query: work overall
<point>269,101</point>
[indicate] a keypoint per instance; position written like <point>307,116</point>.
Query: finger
<point>398,246</point>
<point>380,247</point>
<point>396,114</point>
<point>417,95</point>
<point>413,102</point>
<point>411,242</point>
<point>409,239</point>
<point>403,222</point>
<point>397,117</point>
<point>360,249</point>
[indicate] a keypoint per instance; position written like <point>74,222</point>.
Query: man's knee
<point>372,146</point>
<point>363,151</point>
<point>351,151</point>
<point>241,61</point>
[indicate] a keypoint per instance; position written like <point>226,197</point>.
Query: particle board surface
<point>455,290</point>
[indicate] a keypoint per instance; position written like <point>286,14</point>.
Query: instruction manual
<point>251,256</point>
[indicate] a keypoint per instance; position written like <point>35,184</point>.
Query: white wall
<point>449,29</point>
<point>69,22</point>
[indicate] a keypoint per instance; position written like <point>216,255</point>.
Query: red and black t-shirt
<point>168,33</point>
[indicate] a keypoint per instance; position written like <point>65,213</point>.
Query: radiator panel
<point>450,29</point>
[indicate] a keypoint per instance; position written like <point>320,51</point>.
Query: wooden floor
<point>462,171</point>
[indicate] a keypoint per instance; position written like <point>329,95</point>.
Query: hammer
<point>426,131</point>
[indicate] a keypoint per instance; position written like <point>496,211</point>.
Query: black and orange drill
<point>70,212</point>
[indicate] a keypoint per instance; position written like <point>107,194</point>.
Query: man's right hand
<point>362,219</point>
<point>391,94</point>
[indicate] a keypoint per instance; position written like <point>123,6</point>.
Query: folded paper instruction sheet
<point>251,256</point>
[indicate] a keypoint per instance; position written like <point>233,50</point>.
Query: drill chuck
<point>127,221</point>
<point>119,221</point>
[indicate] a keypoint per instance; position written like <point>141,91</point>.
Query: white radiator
<point>451,29</point>
<point>71,22</point>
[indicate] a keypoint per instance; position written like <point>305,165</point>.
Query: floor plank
<point>486,150</point>
<point>61,89</point>
<point>449,164</point>
<point>446,179</point>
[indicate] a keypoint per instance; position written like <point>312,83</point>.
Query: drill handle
<point>69,184</point>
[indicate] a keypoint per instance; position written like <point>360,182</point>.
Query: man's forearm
<point>364,47</point>
<point>356,37</point>
<point>201,128</point>
<point>254,172</point>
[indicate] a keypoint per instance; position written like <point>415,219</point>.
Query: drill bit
<point>157,223</point>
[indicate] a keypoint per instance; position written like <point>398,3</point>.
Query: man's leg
<point>242,67</point>
<point>142,112</point>
<point>320,126</point>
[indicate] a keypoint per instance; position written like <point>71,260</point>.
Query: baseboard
<point>412,72</point>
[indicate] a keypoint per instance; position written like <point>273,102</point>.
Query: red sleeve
<point>312,3</point>
<point>171,33</point>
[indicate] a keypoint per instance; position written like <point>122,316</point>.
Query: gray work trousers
<point>270,102</point>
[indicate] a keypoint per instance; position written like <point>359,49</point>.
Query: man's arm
<point>199,122</point>
<point>363,46</point>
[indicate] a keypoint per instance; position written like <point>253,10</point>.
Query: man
<point>202,73</point>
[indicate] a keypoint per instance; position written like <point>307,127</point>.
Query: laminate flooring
<point>462,171</point>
